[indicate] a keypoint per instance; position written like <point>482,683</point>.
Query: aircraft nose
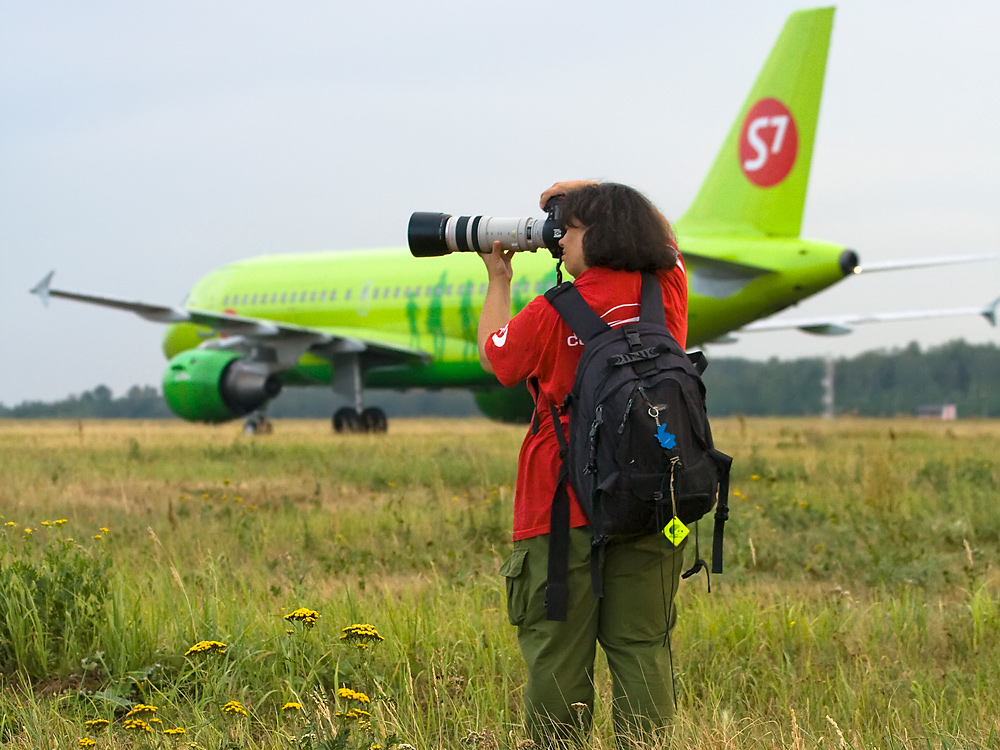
<point>849,262</point>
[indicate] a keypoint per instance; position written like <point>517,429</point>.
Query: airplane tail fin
<point>757,184</point>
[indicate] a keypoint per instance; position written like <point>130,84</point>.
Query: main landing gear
<point>347,382</point>
<point>369,420</point>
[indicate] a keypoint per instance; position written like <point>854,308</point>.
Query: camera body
<point>434,234</point>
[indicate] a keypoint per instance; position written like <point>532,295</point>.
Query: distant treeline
<point>878,383</point>
<point>873,384</point>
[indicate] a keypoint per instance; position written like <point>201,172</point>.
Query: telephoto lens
<point>433,234</point>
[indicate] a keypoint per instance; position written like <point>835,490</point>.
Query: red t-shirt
<point>538,344</point>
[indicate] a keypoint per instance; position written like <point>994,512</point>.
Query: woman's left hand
<point>498,263</point>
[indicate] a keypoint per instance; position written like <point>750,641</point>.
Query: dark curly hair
<point>625,232</point>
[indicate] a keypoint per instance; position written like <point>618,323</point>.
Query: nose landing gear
<point>257,424</point>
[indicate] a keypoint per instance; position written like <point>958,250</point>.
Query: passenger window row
<point>415,292</point>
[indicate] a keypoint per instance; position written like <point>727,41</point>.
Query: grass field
<point>860,607</point>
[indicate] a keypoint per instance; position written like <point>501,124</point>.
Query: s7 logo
<point>769,143</point>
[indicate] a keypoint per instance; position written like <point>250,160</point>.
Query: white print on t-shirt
<point>622,310</point>
<point>615,322</point>
<point>500,337</point>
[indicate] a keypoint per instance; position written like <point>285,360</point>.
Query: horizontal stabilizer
<point>896,265</point>
<point>719,279</point>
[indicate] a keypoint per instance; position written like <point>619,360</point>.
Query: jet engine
<point>206,385</point>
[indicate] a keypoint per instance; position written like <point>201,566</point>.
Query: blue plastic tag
<point>667,439</point>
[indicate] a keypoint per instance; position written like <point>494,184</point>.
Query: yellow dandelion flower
<point>234,707</point>
<point>202,647</point>
<point>292,706</point>
<point>98,536</point>
<point>61,521</point>
<point>46,523</point>
<point>374,746</point>
<point>755,477</point>
<point>96,724</point>
<point>105,530</point>
<point>86,742</point>
<point>27,530</point>
<point>307,617</point>
<point>10,523</point>
<point>175,730</point>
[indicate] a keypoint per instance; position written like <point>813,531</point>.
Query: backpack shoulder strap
<point>652,311</point>
<point>557,582</point>
<point>651,301</point>
<point>575,311</point>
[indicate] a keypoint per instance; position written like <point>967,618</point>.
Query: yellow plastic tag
<point>675,531</point>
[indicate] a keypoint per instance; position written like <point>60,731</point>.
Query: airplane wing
<point>836,325</point>
<point>287,340</point>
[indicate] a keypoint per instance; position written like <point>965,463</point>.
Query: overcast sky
<point>143,144</point>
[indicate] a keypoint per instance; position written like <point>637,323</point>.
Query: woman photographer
<point>612,234</point>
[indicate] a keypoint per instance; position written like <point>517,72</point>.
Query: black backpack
<point>640,455</point>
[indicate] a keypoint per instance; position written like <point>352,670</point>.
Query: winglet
<point>990,312</point>
<point>42,288</point>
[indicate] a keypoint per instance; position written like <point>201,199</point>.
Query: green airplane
<point>383,319</point>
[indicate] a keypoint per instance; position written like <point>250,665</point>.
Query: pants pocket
<point>517,596</point>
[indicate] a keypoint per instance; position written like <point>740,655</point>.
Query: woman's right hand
<point>561,188</point>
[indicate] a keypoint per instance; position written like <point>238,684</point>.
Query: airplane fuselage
<point>432,304</point>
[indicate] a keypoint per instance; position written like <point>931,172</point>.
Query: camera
<point>432,234</point>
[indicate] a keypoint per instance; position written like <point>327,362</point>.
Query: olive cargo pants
<point>631,623</point>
